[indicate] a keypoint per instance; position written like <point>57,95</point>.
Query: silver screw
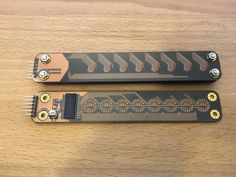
<point>45,58</point>
<point>212,56</point>
<point>43,75</point>
<point>215,73</point>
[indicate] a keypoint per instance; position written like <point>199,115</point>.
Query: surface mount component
<point>126,67</point>
<point>126,106</point>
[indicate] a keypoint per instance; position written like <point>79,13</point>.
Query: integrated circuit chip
<point>70,102</point>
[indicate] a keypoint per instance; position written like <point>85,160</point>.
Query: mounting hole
<point>212,96</point>
<point>215,114</point>
<point>43,115</point>
<point>44,98</point>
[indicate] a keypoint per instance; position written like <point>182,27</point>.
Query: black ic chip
<point>70,106</point>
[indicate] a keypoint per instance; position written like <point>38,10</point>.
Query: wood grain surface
<point>28,27</point>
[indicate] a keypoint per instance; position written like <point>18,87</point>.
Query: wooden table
<point>28,27</point>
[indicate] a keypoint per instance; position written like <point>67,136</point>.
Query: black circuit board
<point>138,106</point>
<point>140,66</point>
<point>136,67</point>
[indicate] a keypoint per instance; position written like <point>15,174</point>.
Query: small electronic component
<point>70,104</point>
<point>126,67</point>
<point>125,106</point>
<point>53,114</point>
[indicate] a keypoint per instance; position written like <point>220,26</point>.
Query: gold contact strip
<point>186,63</point>
<point>203,64</point>
<point>154,63</point>
<point>137,62</point>
<point>121,62</point>
<point>105,62</point>
<point>119,117</point>
<point>86,59</point>
<point>121,76</point>
<point>168,61</point>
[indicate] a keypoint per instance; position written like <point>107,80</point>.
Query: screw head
<point>212,56</point>
<point>215,73</point>
<point>45,58</point>
<point>43,75</point>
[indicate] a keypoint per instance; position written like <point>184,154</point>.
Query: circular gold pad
<point>43,115</point>
<point>44,98</point>
<point>215,114</point>
<point>212,96</point>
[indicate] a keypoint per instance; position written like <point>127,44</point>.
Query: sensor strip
<point>126,67</point>
<point>125,106</point>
